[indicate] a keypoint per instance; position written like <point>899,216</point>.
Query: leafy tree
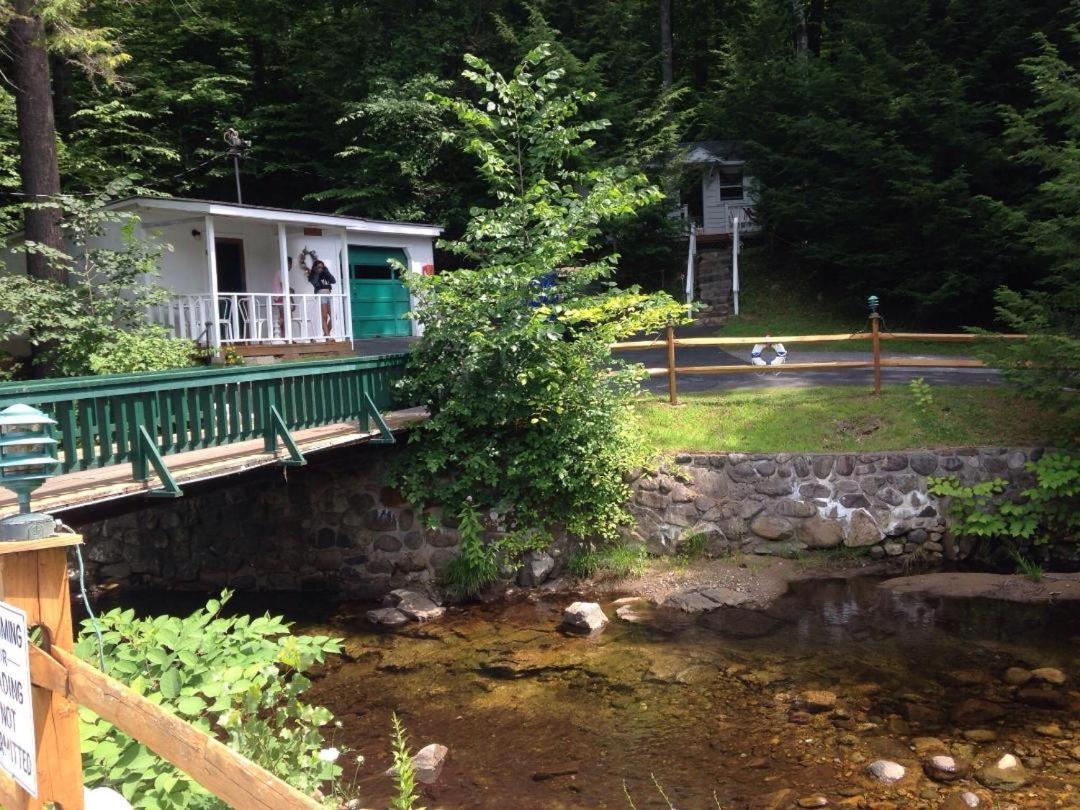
<point>1046,136</point>
<point>529,413</point>
<point>106,294</point>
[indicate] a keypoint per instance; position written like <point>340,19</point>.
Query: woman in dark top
<point>323,282</point>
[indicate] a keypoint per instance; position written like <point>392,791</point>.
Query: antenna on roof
<point>237,148</point>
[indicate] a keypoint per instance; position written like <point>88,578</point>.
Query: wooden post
<point>875,338</point>
<point>34,578</point>
<point>673,396</point>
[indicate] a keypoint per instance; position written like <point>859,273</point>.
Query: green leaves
<point>241,675</point>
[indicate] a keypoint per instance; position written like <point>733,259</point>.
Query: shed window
<point>731,183</point>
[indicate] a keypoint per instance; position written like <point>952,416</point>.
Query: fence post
<point>875,337</point>
<point>673,396</point>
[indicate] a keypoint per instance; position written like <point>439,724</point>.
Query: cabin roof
<point>266,213</point>
<point>706,152</point>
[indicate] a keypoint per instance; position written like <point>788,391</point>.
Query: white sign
<point>18,749</point>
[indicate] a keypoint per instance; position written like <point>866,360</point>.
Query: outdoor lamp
<point>27,458</point>
<point>872,302</point>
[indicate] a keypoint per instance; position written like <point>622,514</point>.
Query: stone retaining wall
<point>329,525</point>
<point>785,503</point>
<point>334,524</point>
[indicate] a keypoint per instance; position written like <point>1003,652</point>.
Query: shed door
<point>378,296</point>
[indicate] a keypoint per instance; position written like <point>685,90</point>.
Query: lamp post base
<point>27,526</point>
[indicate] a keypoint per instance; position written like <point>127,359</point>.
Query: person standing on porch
<point>323,281</point>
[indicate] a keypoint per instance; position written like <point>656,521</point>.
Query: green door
<point>378,297</point>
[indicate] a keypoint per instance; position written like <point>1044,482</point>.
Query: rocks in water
<point>413,605</point>
<point>963,800</point>
<point>1042,698</point>
<point>736,622</point>
<point>944,768</point>
<point>817,701</point>
<point>387,617</point>
<point>965,677</point>
<point>631,609</point>
<point>887,771</point>
<point>584,617</point>
<point>1050,730</point>
<point>980,735</point>
<point>813,801</point>
<point>975,711</point>
<point>1016,676</point>
<point>1050,675</point>
<point>1005,774</point>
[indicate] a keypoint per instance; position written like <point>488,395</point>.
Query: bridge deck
<point>88,487</point>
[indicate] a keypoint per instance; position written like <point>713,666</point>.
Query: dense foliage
<point>530,416</point>
<point>239,678</point>
<point>96,322</point>
<point>875,127</point>
<point>1047,510</point>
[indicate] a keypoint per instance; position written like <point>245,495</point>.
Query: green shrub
<point>529,414</point>
<point>239,679</point>
<point>149,349</point>
<point>478,564</point>
<point>403,769</point>
<point>1050,509</point>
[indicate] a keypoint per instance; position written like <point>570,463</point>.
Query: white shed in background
<point>722,190</point>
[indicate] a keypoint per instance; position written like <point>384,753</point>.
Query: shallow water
<point>535,718</point>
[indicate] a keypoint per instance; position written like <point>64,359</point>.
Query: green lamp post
<point>27,458</point>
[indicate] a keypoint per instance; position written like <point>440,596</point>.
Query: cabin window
<point>731,183</point>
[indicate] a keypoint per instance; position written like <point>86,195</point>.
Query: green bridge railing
<point>140,418</point>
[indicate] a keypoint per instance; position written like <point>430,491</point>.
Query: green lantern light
<point>27,458</point>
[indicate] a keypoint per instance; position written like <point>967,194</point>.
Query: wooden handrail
<point>228,775</point>
<point>785,339</point>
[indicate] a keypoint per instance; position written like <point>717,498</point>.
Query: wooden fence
<point>34,578</point>
<point>874,361</point>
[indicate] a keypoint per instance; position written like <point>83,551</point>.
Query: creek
<point>713,705</point>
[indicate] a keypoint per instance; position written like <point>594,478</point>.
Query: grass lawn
<point>775,304</point>
<point>845,418</point>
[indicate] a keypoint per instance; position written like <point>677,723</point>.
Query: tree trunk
<point>802,44</point>
<point>666,46</point>
<point>814,23</point>
<point>37,135</point>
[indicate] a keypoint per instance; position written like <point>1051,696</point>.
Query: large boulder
<point>1005,774</point>
<point>863,530</point>
<point>413,604</point>
<point>585,617</point>
<point>772,527</point>
<point>538,565</point>
<point>819,532</point>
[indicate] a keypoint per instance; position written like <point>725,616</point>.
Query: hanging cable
<point>63,527</point>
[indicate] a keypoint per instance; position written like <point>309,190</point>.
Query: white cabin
<point>232,284</point>
<point>723,190</point>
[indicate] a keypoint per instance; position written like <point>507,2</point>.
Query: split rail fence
<point>875,361</point>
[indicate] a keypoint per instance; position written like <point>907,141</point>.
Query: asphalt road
<point>714,356</point>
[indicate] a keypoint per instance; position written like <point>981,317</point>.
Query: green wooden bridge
<point>144,418</point>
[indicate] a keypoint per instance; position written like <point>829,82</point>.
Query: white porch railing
<point>254,317</point>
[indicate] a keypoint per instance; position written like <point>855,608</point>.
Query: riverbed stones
<point>813,801</point>
<point>387,617</point>
<point>1006,774</point>
<point>887,771</point>
<point>413,605</point>
<point>1017,676</point>
<point>976,711</point>
<point>1043,698</point>
<point>584,617</point>
<point>427,763</point>
<point>1050,675</point>
<point>964,800</point>
<point>980,735</point>
<point>944,768</point>
<point>816,701</point>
